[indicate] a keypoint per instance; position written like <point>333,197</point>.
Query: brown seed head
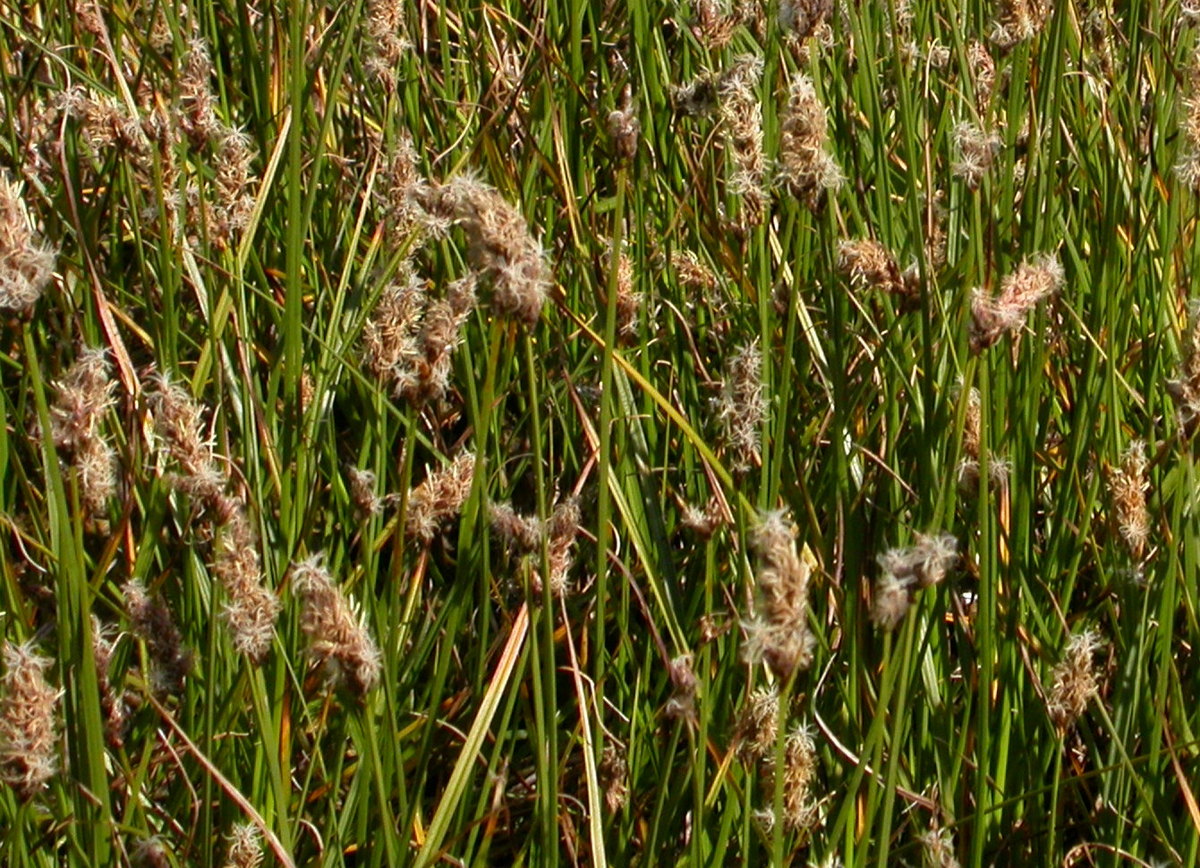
<point>868,265</point>
<point>802,19</point>
<point>251,608</point>
<point>799,773</point>
<point>338,638</point>
<point>1127,486</point>
<point>778,633</point>
<point>386,39</point>
<point>439,497</point>
<point>1076,682</point>
<point>992,316</point>
<point>975,150</point>
<point>758,725</point>
<point>741,118</point>
<point>150,619</point>
<point>624,128</point>
<point>806,165</point>
<point>614,778</point>
<point>27,722</point>
<point>499,245</point>
<point>245,847</point>
<point>938,845</point>
<point>26,265</point>
<point>903,572</point>
<point>111,702</point>
<point>741,405</point>
<point>522,534</point>
<point>684,683</point>
<point>1019,20</point>
<point>362,492</point>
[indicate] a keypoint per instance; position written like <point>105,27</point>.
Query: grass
<point>511,722</point>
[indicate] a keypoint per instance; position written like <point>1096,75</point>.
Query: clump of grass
<point>277,206</point>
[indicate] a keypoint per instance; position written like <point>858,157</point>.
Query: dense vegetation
<point>567,433</point>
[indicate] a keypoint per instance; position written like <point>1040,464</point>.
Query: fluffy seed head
<point>799,773</point>
<point>903,572</point>
<point>561,528</point>
<point>1076,681</point>
<point>111,702</point>
<point>614,778</point>
<point>27,723</point>
<point>179,423</point>
<point>890,602</point>
<point>741,405</point>
<point>974,152</point>
<point>938,846</point>
<point>362,492</point>
<point>992,316</point>
<point>624,128</point>
<point>26,265</point>
<point>802,19</point>
<point>386,39</point>
<point>758,724</point>
<point>411,336</point>
<point>439,497</point>
<point>1186,388</point>
<point>337,637</point>
<point>806,165</point>
<point>251,608</point>
<point>150,619</point>
<point>778,633</point>
<point>983,71</point>
<point>867,264</point>
<point>245,847</point>
<point>682,704</point>
<point>499,245</point>
<point>704,521</point>
<point>522,534</point>
<point>1127,495</point>
<point>741,117</point>
<point>713,24</point>
<point>1019,20</point>
<point>84,393</point>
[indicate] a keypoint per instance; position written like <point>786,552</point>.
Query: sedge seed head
<point>1076,681</point>
<point>27,722</point>
<point>26,265</point>
<point>245,847</point>
<point>758,724</point>
<point>338,638</point>
<point>439,498</point>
